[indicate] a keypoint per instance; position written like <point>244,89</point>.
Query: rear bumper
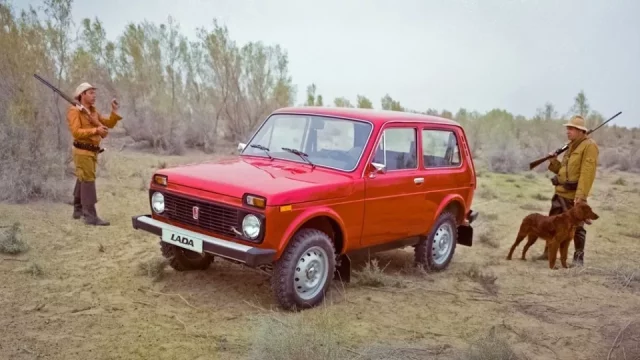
<point>250,256</point>
<point>472,216</point>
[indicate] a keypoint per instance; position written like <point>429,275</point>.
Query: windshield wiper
<point>265,149</point>
<point>302,155</point>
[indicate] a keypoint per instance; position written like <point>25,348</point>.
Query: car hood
<point>281,182</point>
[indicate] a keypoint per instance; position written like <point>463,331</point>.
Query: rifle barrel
<point>611,118</point>
<point>63,95</point>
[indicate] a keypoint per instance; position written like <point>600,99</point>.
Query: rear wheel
<point>184,260</point>
<point>303,274</point>
<point>436,250</point>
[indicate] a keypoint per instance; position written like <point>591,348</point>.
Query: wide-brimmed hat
<point>577,122</point>
<point>82,88</point>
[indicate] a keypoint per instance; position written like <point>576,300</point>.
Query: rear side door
<point>445,170</point>
<point>393,201</point>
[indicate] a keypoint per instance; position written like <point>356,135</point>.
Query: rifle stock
<point>535,163</point>
<point>559,151</point>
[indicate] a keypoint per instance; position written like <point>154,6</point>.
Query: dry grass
<point>486,234</point>
<point>153,267</point>
<point>10,240</point>
<point>486,278</point>
<point>309,335</point>
<point>34,269</point>
<point>490,347</point>
<point>372,275</point>
<point>114,277</point>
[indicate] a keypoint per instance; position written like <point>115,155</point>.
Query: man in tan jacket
<point>574,179</point>
<point>87,131</point>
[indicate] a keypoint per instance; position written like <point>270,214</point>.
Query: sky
<point>446,54</point>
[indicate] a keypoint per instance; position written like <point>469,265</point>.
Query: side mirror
<point>376,168</point>
<point>380,168</point>
<point>241,146</point>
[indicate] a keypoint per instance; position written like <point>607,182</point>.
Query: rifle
<point>76,103</point>
<point>559,151</point>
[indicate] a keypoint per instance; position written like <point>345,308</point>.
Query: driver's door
<point>393,199</point>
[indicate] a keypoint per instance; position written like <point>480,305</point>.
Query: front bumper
<point>250,256</point>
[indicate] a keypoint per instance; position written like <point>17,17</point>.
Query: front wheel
<point>304,272</point>
<point>436,250</point>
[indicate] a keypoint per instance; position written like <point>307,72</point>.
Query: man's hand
<point>114,105</point>
<point>102,131</point>
<point>579,200</point>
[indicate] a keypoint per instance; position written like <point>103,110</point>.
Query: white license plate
<point>182,240</point>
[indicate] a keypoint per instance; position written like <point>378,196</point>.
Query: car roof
<point>377,117</point>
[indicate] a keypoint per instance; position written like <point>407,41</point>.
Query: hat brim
<point>577,127</point>
<point>87,89</point>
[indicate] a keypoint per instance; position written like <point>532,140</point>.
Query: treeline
<point>177,93</point>
<point>507,143</point>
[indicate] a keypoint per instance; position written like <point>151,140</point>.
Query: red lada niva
<point>314,185</point>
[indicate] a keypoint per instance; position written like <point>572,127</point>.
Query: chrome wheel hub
<point>310,273</point>
<point>442,243</point>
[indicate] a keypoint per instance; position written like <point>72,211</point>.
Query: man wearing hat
<point>87,131</point>
<point>574,179</point>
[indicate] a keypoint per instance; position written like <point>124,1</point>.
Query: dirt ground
<point>82,292</point>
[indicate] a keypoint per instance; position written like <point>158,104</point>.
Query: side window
<point>397,149</point>
<point>440,148</point>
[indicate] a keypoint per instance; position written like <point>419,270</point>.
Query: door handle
<point>418,180</point>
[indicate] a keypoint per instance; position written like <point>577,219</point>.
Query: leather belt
<point>85,146</point>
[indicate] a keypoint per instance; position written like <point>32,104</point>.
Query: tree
<point>59,42</point>
<point>363,102</point>
<point>388,103</point>
<point>581,105</point>
<point>342,102</point>
<point>312,98</point>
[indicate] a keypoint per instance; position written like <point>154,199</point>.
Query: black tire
<point>424,251</point>
<point>185,260</point>
<point>284,270</point>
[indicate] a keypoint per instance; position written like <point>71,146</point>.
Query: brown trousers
<point>84,193</point>
<point>85,166</point>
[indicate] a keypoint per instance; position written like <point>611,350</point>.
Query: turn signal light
<point>256,201</point>
<point>160,180</point>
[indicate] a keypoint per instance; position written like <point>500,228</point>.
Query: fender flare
<point>448,200</point>
<point>305,216</point>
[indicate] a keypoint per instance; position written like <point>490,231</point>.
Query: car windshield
<point>322,141</point>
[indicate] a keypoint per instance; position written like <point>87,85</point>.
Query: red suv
<point>314,185</point>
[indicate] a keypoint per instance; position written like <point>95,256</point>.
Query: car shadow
<point>390,262</point>
<point>230,285</point>
<point>224,283</point>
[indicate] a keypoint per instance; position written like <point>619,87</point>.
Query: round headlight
<point>251,226</point>
<point>157,202</point>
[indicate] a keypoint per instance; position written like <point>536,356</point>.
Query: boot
<point>579,240</point>
<point>77,201</point>
<point>89,200</point>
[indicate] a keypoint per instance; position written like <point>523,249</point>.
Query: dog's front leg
<point>564,250</point>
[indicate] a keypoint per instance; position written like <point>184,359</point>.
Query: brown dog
<point>557,230</point>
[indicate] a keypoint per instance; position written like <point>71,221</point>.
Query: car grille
<point>211,217</point>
